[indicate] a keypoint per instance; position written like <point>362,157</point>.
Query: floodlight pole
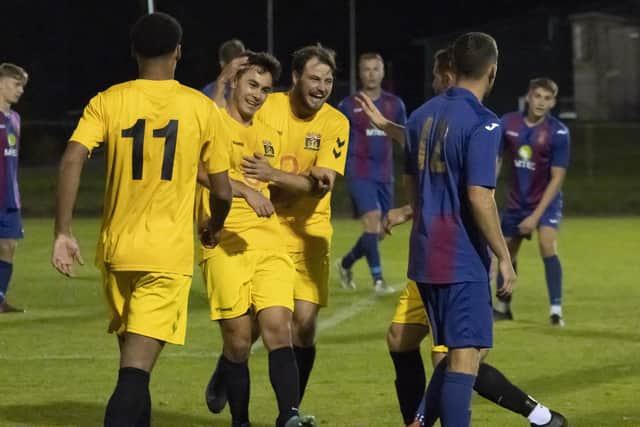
<point>150,6</point>
<point>270,26</point>
<point>352,46</point>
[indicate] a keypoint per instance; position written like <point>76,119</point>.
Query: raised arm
<point>395,130</point>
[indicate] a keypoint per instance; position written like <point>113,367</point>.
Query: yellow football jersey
<point>154,133</point>
<point>320,141</point>
<point>243,229</point>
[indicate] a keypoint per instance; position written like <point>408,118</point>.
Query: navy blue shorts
<point>460,314</point>
<point>11,224</point>
<point>370,196</point>
<point>511,218</point>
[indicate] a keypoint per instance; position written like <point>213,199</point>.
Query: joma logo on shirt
<point>10,152</point>
<point>269,151</point>
<point>312,142</point>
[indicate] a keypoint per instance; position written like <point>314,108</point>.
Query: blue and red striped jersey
<point>370,154</point>
<point>10,145</point>
<point>531,152</point>
<point>453,143</point>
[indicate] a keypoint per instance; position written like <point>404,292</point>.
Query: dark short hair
<point>264,61</point>
<point>156,34</point>
<point>367,56</point>
<point>473,53</point>
<point>544,83</point>
<point>230,50</point>
<point>303,55</point>
<point>13,71</point>
<point>442,59</point>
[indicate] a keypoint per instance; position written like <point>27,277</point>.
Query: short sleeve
<point>91,129</point>
<point>410,160</point>
<point>401,113</point>
<point>560,148</point>
<point>342,106</point>
<point>482,154</point>
<point>334,144</point>
<point>216,151</point>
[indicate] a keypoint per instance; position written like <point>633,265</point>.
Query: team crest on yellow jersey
<point>269,151</point>
<point>312,142</point>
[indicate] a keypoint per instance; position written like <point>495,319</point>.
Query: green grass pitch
<point>58,366</point>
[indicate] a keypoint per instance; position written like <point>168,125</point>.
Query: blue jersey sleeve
<point>410,147</point>
<point>342,106</point>
<point>560,148</point>
<point>401,113</point>
<point>482,154</point>
<point>208,89</point>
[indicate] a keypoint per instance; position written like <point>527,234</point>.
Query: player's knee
<point>7,248</point>
<point>304,332</point>
<point>371,222</point>
<point>394,337</point>
<point>464,360</point>
<point>237,349</point>
<point>401,337</point>
<point>547,248</point>
<point>277,337</point>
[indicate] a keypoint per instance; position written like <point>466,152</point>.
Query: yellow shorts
<point>255,279</point>
<point>312,275</point>
<point>148,303</point>
<point>411,310</point>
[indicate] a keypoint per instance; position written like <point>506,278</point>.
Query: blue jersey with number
<point>530,152</point>
<point>453,143</point>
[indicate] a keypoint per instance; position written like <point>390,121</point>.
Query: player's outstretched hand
<point>66,252</point>
<point>370,109</point>
<point>508,276</point>
<point>260,204</point>
<point>527,225</point>
<point>395,216</point>
<point>257,167</point>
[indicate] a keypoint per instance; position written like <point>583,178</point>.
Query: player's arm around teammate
<point>248,275</point>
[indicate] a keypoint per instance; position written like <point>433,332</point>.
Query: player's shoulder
<point>511,117</point>
<point>276,100</point>
<point>330,114</point>
<point>347,101</point>
<point>428,108</point>
<point>391,97</point>
<point>557,126</point>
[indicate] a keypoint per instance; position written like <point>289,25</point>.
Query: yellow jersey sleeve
<point>91,130</point>
<point>333,151</point>
<point>215,153</point>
